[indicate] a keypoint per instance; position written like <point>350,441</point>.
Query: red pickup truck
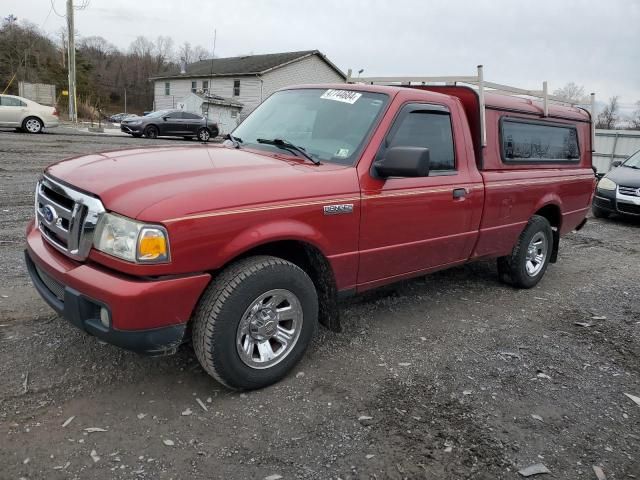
<point>323,191</point>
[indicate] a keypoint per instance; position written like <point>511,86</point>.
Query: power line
<point>53,7</point>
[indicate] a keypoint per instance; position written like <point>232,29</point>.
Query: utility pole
<point>125,100</point>
<point>71,56</point>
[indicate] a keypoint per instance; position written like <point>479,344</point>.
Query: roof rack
<point>481,85</point>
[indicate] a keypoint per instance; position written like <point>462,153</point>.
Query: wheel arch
<point>303,249</point>
<point>553,213</point>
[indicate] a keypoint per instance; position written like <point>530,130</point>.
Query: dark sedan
<point>170,123</point>
<point>619,190</point>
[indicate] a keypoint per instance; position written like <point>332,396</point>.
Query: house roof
<point>218,100</point>
<point>245,65</point>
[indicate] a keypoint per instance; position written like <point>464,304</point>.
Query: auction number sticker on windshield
<point>345,96</point>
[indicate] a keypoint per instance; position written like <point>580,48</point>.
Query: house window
<point>167,88</point>
<point>234,114</point>
<point>236,88</point>
<point>194,87</point>
<point>205,86</point>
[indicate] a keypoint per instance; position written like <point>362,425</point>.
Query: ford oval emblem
<point>49,213</point>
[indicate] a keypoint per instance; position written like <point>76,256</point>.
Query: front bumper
<point>131,129</point>
<point>146,315</point>
<point>615,202</point>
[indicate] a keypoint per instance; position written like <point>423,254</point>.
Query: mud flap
<point>556,246</point>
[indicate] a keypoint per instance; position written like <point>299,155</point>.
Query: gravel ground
<point>450,376</point>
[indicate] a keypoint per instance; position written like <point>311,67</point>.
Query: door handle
<point>459,193</point>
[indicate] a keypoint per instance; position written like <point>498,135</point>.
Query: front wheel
<point>528,261</point>
<point>255,321</point>
<point>151,132</point>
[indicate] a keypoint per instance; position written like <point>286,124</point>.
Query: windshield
<point>633,161</point>
<point>330,125</point>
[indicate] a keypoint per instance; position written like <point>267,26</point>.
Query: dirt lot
<point>450,368</point>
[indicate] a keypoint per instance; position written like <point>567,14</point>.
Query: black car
<point>171,123</point>
<point>619,190</point>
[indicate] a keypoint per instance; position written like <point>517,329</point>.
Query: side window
<point>190,116</point>
<point>167,88</point>
<point>428,129</point>
<point>236,88</point>
<point>11,102</point>
<point>526,141</point>
<point>194,87</point>
<point>175,115</point>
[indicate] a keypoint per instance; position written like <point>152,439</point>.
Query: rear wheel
<point>528,261</point>
<point>255,321</point>
<point>599,212</point>
<point>204,134</point>
<point>151,132</point>
<point>32,125</point>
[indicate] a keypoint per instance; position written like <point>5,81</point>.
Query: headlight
<point>606,184</point>
<point>136,123</point>
<point>130,240</point>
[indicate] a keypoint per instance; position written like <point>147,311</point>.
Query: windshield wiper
<point>236,140</point>
<point>279,142</point>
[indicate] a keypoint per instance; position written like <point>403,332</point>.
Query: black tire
<point>599,212</point>
<point>214,132</point>
<point>32,125</point>
<point>204,134</point>
<point>151,131</point>
<point>225,302</point>
<point>512,269</point>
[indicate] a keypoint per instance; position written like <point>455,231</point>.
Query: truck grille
<point>66,217</point>
<point>630,191</point>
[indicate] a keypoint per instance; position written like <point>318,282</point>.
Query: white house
<point>225,112</point>
<point>247,80</point>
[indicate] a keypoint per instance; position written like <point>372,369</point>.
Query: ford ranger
<point>323,191</point>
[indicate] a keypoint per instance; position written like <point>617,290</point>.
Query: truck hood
<point>155,184</point>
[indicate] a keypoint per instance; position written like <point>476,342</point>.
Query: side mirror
<point>165,118</point>
<point>404,162</point>
<point>616,164</point>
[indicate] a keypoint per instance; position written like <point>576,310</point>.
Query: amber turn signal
<point>152,245</point>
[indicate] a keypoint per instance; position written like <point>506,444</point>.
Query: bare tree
<point>142,47</point>
<point>608,118</point>
<point>200,53</point>
<point>635,119</point>
<point>163,50</point>
<point>185,53</point>
<point>98,45</point>
<point>572,93</point>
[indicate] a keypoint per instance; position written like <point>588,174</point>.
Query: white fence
<point>612,145</point>
<point>38,92</point>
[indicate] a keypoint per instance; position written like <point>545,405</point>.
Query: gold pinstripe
<point>365,197</point>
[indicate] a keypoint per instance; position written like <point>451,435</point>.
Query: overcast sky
<point>593,43</point>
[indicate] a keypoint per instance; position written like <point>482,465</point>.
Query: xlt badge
<point>338,209</point>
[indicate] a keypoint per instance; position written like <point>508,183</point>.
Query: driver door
<point>418,224</point>
<point>172,124</point>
